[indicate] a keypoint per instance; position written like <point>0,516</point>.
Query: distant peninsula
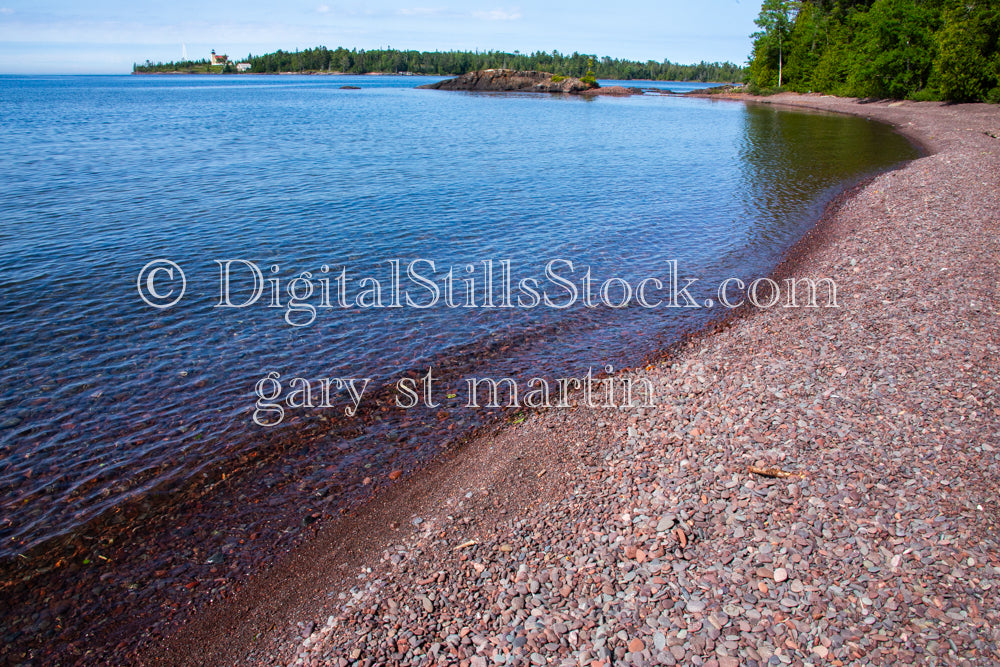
<point>321,60</point>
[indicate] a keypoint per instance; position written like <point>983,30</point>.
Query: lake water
<point>104,398</point>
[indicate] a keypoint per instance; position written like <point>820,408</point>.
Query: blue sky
<point>107,36</point>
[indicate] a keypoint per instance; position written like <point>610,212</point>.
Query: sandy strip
<point>593,537</point>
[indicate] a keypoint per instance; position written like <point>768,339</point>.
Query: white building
<point>218,61</point>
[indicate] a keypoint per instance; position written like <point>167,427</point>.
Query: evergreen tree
<point>917,49</point>
<point>968,63</point>
<point>775,20</point>
<point>895,45</point>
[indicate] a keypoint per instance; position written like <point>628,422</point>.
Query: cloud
<point>144,38</point>
<point>323,9</point>
<point>6,10</point>
<point>499,15</point>
<point>421,11</point>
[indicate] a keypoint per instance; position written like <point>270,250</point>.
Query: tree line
<point>901,49</point>
<point>453,63</point>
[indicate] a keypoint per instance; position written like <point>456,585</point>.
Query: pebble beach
<point>813,486</point>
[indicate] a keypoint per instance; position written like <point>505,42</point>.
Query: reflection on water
<point>791,160</point>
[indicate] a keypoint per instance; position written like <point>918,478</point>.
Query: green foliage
<point>895,47</point>
<point>452,63</point>
<point>801,52</point>
<point>556,78</point>
<point>775,21</point>
<point>589,78</point>
<point>189,66</point>
<point>916,49</point>
<point>968,64</point>
<point>834,57</point>
<point>763,71</point>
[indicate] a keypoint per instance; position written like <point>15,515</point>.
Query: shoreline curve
<point>541,475</point>
<point>888,453</point>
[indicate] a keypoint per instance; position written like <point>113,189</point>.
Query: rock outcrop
<point>726,89</point>
<point>508,80</point>
<point>614,91</point>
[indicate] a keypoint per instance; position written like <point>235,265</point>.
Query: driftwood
<point>772,472</point>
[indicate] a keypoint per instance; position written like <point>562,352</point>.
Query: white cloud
<point>421,11</point>
<point>499,15</point>
<point>323,9</point>
<point>6,10</point>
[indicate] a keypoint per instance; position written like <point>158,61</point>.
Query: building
<point>243,67</point>
<point>218,61</point>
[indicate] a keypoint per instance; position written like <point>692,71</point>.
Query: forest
<point>453,63</point>
<point>900,49</point>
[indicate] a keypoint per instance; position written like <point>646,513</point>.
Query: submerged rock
<point>508,80</point>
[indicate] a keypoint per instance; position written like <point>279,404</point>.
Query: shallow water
<point>104,397</point>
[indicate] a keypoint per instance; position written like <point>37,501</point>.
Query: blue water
<point>103,398</point>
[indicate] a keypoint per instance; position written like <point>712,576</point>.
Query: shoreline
<point>130,575</point>
<point>522,493</point>
<point>421,74</point>
<point>293,579</point>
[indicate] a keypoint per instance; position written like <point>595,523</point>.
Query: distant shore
<point>415,74</point>
<point>645,536</point>
<point>305,73</point>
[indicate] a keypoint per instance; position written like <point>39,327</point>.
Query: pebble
<point>696,606</point>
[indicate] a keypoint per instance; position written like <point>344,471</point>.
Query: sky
<point>107,36</point>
